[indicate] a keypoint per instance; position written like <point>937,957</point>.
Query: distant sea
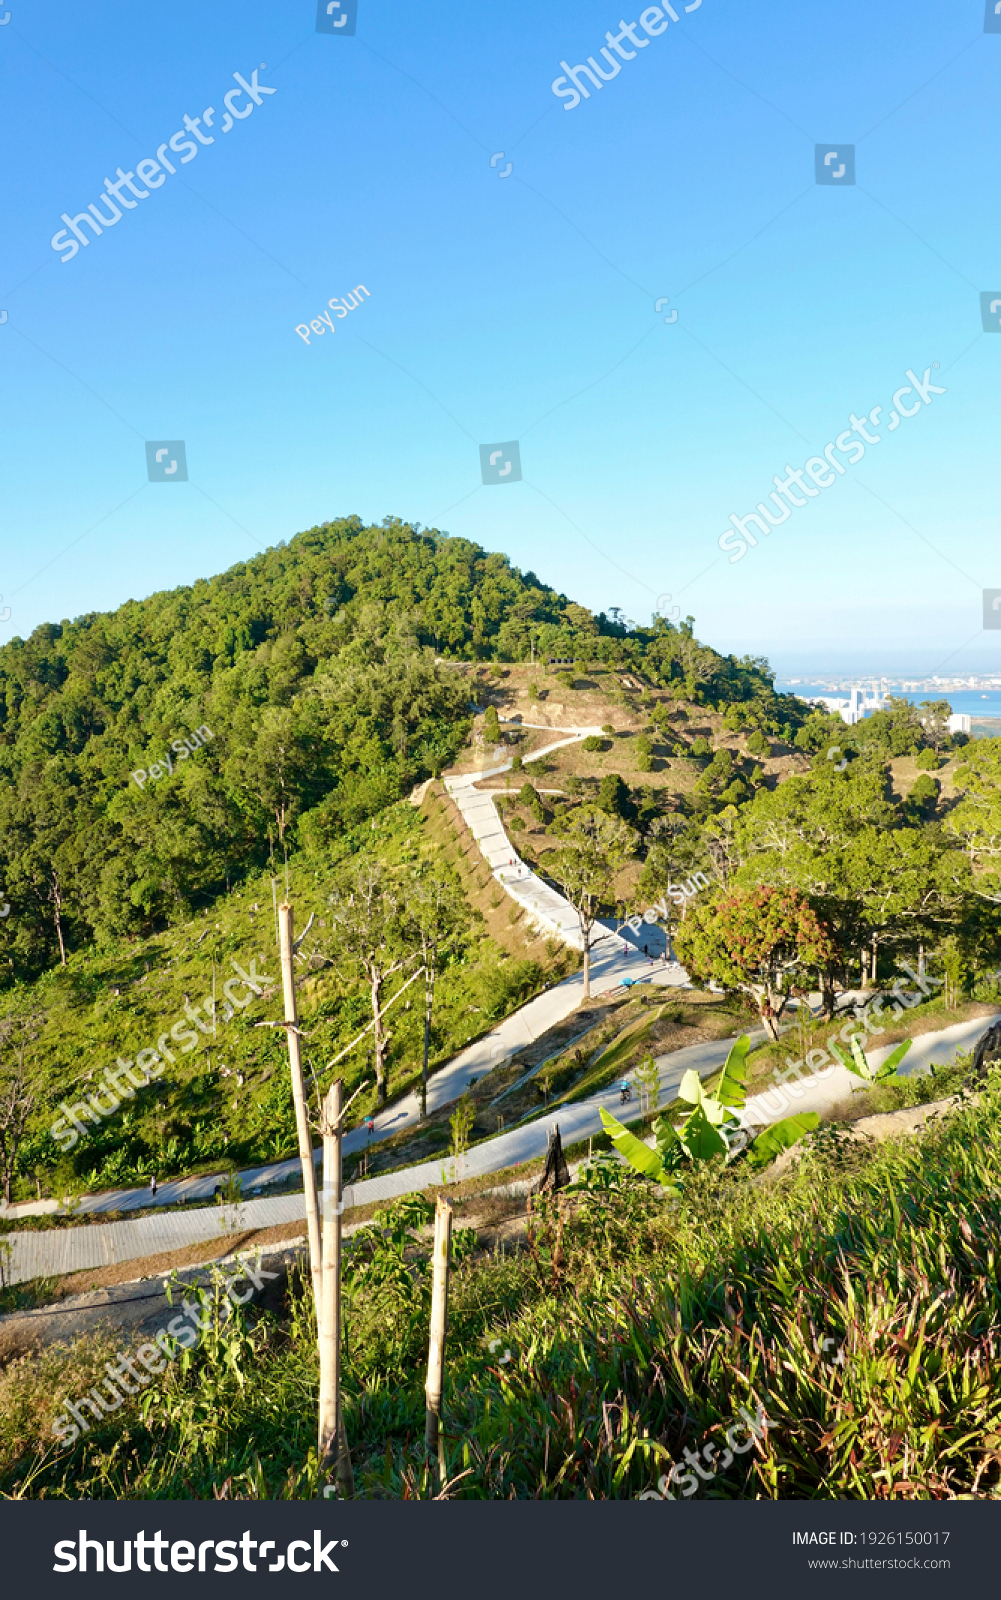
<point>974,702</point>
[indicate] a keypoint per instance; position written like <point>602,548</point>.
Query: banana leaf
<point>731,1091</point>
<point>638,1154</point>
<point>862,1067</point>
<point>690,1088</point>
<point>668,1143</point>
<point>862,1064</point>
<point>700,1139</point>
<point>856,1064</point>
<point>780,1136</point>
<point>892,1062</point>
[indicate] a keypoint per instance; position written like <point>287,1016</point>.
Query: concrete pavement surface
<point>57,1251</point>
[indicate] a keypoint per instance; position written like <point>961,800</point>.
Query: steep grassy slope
<point>228,1101</point>
<point>854,1301</point>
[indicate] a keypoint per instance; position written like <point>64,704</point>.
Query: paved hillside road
<point>824,1093</point>
<point>608,968</point>
<point>613,958</point>
<point>72,1249</point>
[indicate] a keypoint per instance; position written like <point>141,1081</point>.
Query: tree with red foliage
<point>766,942</point>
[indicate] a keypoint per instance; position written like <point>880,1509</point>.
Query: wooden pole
<point>428,992</point>
<point>439,1326</point>
<point>301,1120</point>
<point>333,1445</point>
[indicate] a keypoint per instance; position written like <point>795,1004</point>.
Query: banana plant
<point>778,1137</point>
<point>707,1129</point>
<point>863,1068</point>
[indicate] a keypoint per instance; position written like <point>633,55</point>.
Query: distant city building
<point>861,703</point>
<point>959,722</point>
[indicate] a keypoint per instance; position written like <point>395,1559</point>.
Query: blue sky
<point>514,308</point>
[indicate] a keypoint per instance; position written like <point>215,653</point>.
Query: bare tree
<point>372,932</point>
<point>18,1097</point>
<point>438,912</point>
<point>593,848</point>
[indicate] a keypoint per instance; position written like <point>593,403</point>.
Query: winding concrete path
<point>72,1249</point>
<point>546,908</point>
<point>615,962</point>
<point>613,958</point>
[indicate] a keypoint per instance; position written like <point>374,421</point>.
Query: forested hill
<point>312,668</point>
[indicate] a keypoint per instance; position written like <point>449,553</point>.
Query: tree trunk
<point>435,1386</point>
<point>378,1038</point>
<point>429,976</point>
<point>56,905</point>
<point>587,961</point>
<point>301,1122</point>
<point>768,1023</point>
<point>333,1445</point>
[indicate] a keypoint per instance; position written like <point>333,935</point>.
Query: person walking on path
<point>152,1184</point>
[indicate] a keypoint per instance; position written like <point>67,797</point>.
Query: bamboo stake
<point>333,1444</point>
<point>301,1122</point>
<point>439,1328</point>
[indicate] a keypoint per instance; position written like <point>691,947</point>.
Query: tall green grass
<point>636,1328</point>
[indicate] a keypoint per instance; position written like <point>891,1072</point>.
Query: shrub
<point>606,727</point>
<point>491,725</point>
<point>700,747</point>
<point>735,792</point>
<point>516,763</point>
<point>613,797</point>
<point>924,794</point>
<point>499,989</point>
<point>928,761</point>
<point>758,745</point>
<point>644,753</point>
<point>592,743</point>
<point>529,797</point>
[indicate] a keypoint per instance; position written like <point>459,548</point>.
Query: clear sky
<point>517,307</point>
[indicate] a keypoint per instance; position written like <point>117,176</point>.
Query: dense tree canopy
<point>321,672</point>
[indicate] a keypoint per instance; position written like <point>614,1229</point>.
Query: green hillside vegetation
<point>313,669</point>
<point>198,1115</point>
<point>336,672</point>
<point>852,1300</point>
<point>331,683</point>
